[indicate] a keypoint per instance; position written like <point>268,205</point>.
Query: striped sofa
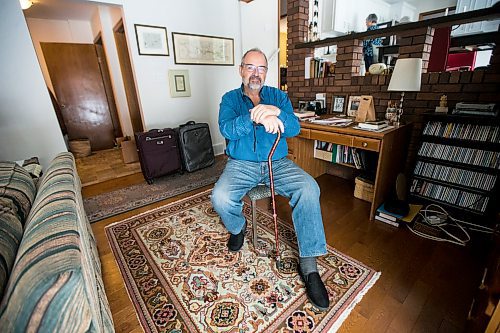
<point>50,273</point>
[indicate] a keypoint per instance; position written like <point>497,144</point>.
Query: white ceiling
<point>61,10</point>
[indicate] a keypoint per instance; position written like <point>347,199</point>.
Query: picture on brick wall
<point>352,108</point>
<point>339,104</point>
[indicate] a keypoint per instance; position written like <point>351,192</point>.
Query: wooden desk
<point>391,146</point>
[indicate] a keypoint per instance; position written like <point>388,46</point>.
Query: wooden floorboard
<point>425,286</point>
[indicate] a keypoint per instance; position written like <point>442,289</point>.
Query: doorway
<point>128,78</point>
<point>76,75</point>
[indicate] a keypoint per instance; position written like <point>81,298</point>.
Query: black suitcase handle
<point>191,122</point>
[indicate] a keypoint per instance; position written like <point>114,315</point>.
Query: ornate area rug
<point>123,200</point>
<point>181,277</point>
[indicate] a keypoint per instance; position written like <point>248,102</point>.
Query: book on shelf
<point>373,124</point>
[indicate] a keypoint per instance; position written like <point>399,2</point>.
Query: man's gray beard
<point>254,86</point>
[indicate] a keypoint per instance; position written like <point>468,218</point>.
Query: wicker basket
<point>363,189</point>
<point>80,147</point>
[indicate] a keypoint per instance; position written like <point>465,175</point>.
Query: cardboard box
<point>129,152</point>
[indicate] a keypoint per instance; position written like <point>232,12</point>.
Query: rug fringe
<point>353,304</point>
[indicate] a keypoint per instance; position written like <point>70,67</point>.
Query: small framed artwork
<point>339,104</point>
<point>302,106</point>
<point>179,83</point>
<point>151,40</point>
<point>352,107</point>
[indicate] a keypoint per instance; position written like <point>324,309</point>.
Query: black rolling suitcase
<point>195,145</point>
<point>158,153</point>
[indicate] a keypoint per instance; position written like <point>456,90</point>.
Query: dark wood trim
<point>476,39</point>
<point>443,21</point>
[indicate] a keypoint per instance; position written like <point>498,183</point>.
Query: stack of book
<point>304,114</point>
<point>393,219</point>
<point>373,125</point>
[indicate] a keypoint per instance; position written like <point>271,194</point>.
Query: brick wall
<point>473,87</point>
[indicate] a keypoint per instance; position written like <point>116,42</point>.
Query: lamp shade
<point>25,4</point>
<point>406,75</point>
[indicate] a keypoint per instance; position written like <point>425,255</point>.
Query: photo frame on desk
<point>339,104</point>
<point>151,40</point>
<point>353,106</point>
<point>191,49</point>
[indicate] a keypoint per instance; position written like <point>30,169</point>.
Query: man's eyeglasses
<point>251,68</point>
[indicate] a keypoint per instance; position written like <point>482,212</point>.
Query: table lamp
<point>405,77</point>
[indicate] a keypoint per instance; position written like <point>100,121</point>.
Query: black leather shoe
<point>235,242</point>
<point>316,291</point>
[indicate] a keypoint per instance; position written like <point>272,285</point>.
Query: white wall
<point>57,31</point>
<point>208,83</point>
<point>107,17</point>
<point>262,33</point>
<point>35,115</point>
<point>28,123</point>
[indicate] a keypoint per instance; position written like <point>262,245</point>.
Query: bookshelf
<point>458,165</point>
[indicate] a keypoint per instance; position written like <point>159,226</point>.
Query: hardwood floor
<point>104,165</point>
<point>425,286</point>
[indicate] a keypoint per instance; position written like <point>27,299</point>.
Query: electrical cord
<point>436,216</point>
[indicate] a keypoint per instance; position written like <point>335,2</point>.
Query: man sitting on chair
<point>249,118</point>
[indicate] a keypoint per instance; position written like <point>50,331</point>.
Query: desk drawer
<point>366,143</point>
<point>305,133</point>
<point>340,139</point>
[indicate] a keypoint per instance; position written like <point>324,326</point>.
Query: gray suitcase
<point>195,145</point>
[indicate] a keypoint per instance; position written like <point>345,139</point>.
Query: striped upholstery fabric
<point>56,283</point>
<point>11,232</point>
<point>17,185</point>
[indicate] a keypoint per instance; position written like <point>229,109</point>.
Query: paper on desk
<point>332,120</point>
<point>374,130</point>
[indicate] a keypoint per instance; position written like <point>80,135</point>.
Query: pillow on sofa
<point>17,185</point>
<point>11,232</point>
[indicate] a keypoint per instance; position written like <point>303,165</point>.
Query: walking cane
<point>271,181</point>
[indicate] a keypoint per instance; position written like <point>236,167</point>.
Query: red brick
<point>486,88</point>
<point>411,49</point>
<point>374,79</point>
<point>444,77</point>
<point>477,76</point>
<point>491,78</point>
<point>343,82</point>
<point>434,78</point>
<point>428,96</point>
<point>446,88</point>
<point>465,77</point>
<point>350,88</point>
<point>333,89</point>
<point>454,77</point>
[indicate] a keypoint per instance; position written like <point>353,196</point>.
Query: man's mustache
<point>253,77</point>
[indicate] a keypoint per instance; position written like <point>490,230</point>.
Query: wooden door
<point>128,78</point>
<point>76,78</point>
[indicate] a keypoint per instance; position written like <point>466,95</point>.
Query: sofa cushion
<point>11,232</point>
<point>55,285</point>
<point>17,185</point>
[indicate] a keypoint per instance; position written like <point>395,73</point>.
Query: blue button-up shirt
<point>247,140</point>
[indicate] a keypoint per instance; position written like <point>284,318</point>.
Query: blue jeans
<point>289,181</point>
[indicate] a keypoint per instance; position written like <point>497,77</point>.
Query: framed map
<point>192,49</point>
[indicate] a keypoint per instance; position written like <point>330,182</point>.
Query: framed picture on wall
<point>339,104</point>
<point>352,107</point>
<point>151,40</point>
<point>190,49</point>
<point>179,83</point>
